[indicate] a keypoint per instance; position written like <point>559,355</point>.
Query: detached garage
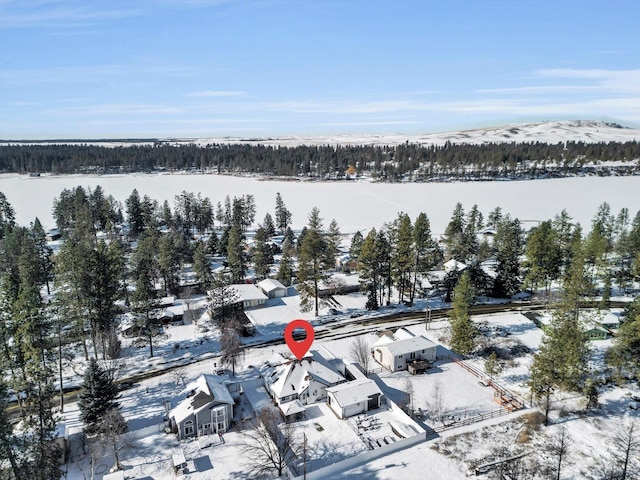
<point>272,288</point>
<point>355,397</point>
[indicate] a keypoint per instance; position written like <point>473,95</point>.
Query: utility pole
<point>304,458</point>
<point>427,314</point>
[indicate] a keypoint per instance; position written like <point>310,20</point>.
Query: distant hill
<point>545,132</point>
<point>590,131</point>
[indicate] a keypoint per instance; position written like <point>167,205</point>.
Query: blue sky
<point>191,68</point>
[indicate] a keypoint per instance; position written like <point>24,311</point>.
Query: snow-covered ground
<point>357,205</point>
<point>448,456</point>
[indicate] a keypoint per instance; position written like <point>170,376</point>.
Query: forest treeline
<point>389,163</point>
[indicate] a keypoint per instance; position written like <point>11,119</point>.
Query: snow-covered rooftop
<point>248,292</point>
<point>409,345</point>
<point>294,377</point>
<point>270,284</point>
<point>206,384</point>
<point>353,392</point>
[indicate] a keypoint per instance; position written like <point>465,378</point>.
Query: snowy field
<point>356,205</point>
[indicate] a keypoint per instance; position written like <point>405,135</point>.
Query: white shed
<point>355,397</point>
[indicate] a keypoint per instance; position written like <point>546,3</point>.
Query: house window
<point>188,428</point>
<point>207,427</point>
<point>412,355</point>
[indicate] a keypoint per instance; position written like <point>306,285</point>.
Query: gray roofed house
<point>204,407</point>
<point>396,355</point>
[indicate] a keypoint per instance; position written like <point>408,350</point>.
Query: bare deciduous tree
<point>409,394</point>
<point>271,444</point>
<point>626,451</point>
<point>231,348</point>
<point>435,406</point>
<point>558,450</point>
<point>109,435</point>
<point>360,353</point>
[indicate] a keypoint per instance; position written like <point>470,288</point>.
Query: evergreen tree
<point>283,216</point>
<point>7,216</point>
<point>313,263</point>
<point>223,297</point>
<point>492,366</point>
<point>168,261</point>
<point>285,269</point>
<point>268,225</point>
<point>544,256</point>
<point>402,256</point>
<point>201,267</point>
<point>235,254</point>
<point>463,331</point>
<point>134,214</point>
<point>98,395</point>
<point>261,254</point>
<point>426,252</point>
<point>369,269</point>
<point>333,239</point>
<point>44,254</point>
<point>454,235</point>
<point>509,245</point>
<point>212,244</point>
<point>356,248</point>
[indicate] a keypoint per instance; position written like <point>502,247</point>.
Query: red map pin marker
<point>299,349</point>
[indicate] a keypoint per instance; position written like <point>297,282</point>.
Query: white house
<point>272,288</point>
<point>206,407</point>
<point>305,380</point>
<point>355,397</point>
<point>396,355</point>
<point>247,295</point>
<point>454,266</point>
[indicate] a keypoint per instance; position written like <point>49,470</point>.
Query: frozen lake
<point>355,205</point>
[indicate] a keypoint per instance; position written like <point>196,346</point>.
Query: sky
<point>258,68</point>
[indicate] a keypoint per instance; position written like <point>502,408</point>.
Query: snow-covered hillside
<point>546,132</point>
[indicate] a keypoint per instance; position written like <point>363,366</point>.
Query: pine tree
<point>261,254</point>
<point>463,331</point>
<point>285,269</point>
<point>235,254</point>
<point>369,269</point>
<point>426,252</point>
<point>98,395</point>
<point>201,267</point>
<point>313,263</point>
<point>544,256</point>
<point>356,248</point>
<point>268,225</point>
<point>508,243</point>
<point>333,239</point>
<point>283,216</point>
<point>134,214</point>
<point>454,235</point>
<point>402,256</point>
<point>7,216</point>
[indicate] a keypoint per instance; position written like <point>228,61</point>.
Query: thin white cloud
<point>115,109</point>
<point>91,73</point>
<point>216,93</point>
<point>621,82</point>
<point>69,13</point>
